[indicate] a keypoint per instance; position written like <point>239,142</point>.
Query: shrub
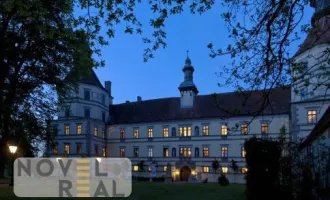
<point>223,180</point>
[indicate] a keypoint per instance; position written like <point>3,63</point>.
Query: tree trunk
<point>2,157</point>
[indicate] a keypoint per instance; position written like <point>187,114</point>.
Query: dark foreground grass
<point>160,191</point>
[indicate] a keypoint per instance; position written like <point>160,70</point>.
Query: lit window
<point>264,128</point>
<point>224,170</point>
<point>136,133</point>
<point>55,147</point>
<point>67,149</point>
<point>165,152</point>
<point>122,134</point>
<point>244,129</point>
<point>136,168</point>
<point>67,129</point>
<point>165,168</point>
<point>150,132</point>
<point>205,152</point>
<point>206,169</point>
<point>96,150</point>
<point>244,170</point>
<point>78,148</point>
<point>205,130</point>
<point>149,169</point>
<point>185,131</point>
<point>136,152</point>
<point>95,131</point>
<point>224,130</point>
<point>165,132</point>
<point>104,151</point>
<point>311,116</point>
<point>122,152</point>
<point>224,152</point>
<point>150,152</point>
<point>79,129</point>
<point>185,152</point>
<point>243,152</point>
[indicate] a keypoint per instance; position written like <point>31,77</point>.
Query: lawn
<point>160,191</point>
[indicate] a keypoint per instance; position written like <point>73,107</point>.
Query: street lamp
<point>12,149</point>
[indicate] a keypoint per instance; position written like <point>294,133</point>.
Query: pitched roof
<point>88,77</point>
<point>319,128</point>
<point>205,106</point>
<point>319,34</point>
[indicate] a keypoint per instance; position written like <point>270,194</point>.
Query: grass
<point>161,191</point>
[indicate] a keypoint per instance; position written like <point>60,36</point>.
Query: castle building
<point>190,131</point>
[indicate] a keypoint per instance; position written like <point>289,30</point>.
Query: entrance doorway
<point>185,173</point>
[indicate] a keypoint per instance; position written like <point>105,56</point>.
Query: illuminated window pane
<point>205,130</point>
<point>136,133</point>
<point>206,169</point>
<point>312,117</point>
<point>244,170</point>
<point>243,152</point>
<point>264,128</point>
<point>224,130</point>
<point>136,168</point>
<point>67,149</point>
<point>224,170</point>
<point>165,132</point>
<point>104,151</point>
<point>224,152</point>
<point>165,168</point>
<point>67,129</point>
<point>95,131</point>
<point>122,152</point>
<point>150,132</point>
<point>205,152</point>
<point>122,134</point>
<point>79,127</point>
<point>244,129</point>
<point>165,152</point>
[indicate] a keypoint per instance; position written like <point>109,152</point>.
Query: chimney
<point>107,85</point>
<point>127,101</point>
<point>139,98</point>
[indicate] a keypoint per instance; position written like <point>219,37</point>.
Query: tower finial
<point>187,53</point>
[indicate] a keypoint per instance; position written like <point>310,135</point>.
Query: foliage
<point>141,165</point>
<point>262,160</point>
<point>215,165</point>
<point>223,180</point>
<point>39,46</point>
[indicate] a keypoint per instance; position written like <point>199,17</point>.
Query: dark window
<point>136,152</point>
<point>103,98</point>
<point>96,150</point>
<point>78,148</point>
<point>196,131</point>
<point>103,116</point>
<point>87,95</point>
<point>196,152</point>
<point>87,113</point>
<point>67,112</point>
<point>173,152</point>
<point>173,132</point>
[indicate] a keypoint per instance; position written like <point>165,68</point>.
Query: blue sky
<point>161,76</point>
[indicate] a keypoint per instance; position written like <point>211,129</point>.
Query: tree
<point>234,166</point>
<point>39,46</point>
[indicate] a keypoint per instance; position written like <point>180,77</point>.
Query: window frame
<point>313,114</point>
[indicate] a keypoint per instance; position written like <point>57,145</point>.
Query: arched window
<point>196,152</point>
<point>173,132</point>
<point>173,152</point>
<point>196,131</point>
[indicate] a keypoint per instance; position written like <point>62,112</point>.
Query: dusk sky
<point>161,76</point>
